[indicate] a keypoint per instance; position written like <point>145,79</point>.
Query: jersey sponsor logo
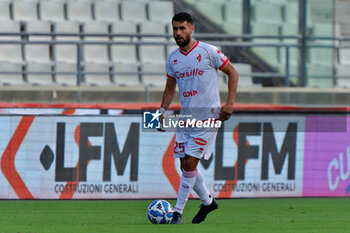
<point>200,141</point>
<point>189,93</point>
<point>191,73</point>
<point>199,57</point>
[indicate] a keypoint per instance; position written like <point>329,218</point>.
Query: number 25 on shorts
<point>179,147</point>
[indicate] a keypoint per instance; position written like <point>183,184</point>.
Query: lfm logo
<point>88,152</point>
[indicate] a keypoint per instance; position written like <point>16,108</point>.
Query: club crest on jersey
<point>199,58</point>
<point>223,59</point>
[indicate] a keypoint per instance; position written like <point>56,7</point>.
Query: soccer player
<point>193,67</point>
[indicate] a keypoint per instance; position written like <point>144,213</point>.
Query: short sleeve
<point>169,70</point>
<point>219,60</point>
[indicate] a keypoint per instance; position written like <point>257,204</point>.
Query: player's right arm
<point>168,94</point>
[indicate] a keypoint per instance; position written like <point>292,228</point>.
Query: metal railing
<point>216,39</point>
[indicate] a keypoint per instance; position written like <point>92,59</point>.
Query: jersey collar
<point>190,50</point>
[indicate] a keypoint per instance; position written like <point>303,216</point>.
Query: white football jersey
<point>196,74</point>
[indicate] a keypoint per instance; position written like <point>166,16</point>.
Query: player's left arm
<point>227,109</point>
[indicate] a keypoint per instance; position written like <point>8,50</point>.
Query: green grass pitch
<point>234,215</point>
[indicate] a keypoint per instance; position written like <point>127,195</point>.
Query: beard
<point>184,42</point>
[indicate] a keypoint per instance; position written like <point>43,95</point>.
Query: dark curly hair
<point>182,17</point>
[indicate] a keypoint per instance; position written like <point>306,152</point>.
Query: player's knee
<point>189,163</point>
<point>189,174</point>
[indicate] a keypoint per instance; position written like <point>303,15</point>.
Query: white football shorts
<point>195,143</point>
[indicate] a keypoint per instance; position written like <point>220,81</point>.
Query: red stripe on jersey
<point>223,64</point>
<point>188,52</point>
<point>170,77</point>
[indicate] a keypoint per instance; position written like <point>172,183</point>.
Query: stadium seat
<point>92,79</point>
<point>233,11</point>
<point>344,55</point>
<point>211,10</point>
<point>123,53</point>
<point>322,29</point>
<point>245,75</point>
<point>232,27</point>
<point>39,53</point>
<point>289,29</point>
<point>268,12</point>
<point>215,1</point>
<point>124,27</point>
<point>107,11</point>
<point>320,11</point>
<point>320,76</point>
<point>11,79</point>
<point>39,79</point>
<point>25,10</point>
<point>10,52</point>
<point>38,27</point>
<point>66,79</point>
<point>133,11</point>
<point>66,53</point>
<point>321,56</point>
<point>158,78</point>
<point>129,76</point>
<point>344,80</point>
<point>291,12</point>
<point>270,29</point>
<point>152,53</point>
<point>5,10</point>
<point>80,11</point>
<point>149,28</point>
<point>52,10</point>
<point>161,11</point>
<point>268,54</point>
<point>342,15</point>
<point>96,53</point>
<point>191,2</point>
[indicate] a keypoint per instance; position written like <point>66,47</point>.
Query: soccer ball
<point>160,212</point>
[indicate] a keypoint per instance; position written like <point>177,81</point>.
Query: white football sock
<point>187,181</point>
<point>201,189</point>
